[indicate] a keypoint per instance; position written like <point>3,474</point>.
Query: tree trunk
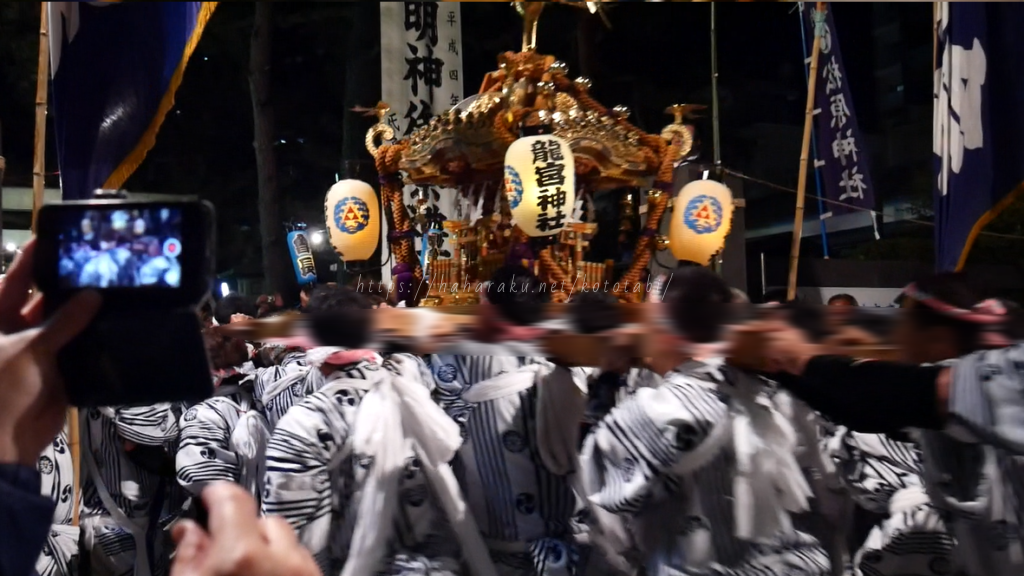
<point>362,88</point>
<point>276,268</point>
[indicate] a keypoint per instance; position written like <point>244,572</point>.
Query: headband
<point>989,314</point>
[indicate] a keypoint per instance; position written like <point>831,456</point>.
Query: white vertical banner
<point>421,76</point>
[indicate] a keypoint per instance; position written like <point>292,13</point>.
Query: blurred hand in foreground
<point>851,336</point>
<point>622,351</point>
<point>238,543</point>
<point>32,399</point>
<point>771,346</point>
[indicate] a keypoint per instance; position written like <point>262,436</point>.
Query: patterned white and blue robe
<point>702,472</point>
<point>60,552</point>
<point>883,476</point>
<point>523,503</point>
<point>974,469</point>
<point>126,509</point>
<point>278,388</point>
<point>317,476</point>
<point>223,439</point>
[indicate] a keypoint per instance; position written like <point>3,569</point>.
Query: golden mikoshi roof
<point>467,145</point>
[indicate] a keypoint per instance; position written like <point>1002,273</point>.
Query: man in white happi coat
<point>334,470</point>
<point>883,471</point>
<point>520,416</point>
<point>224,437</point>
<point>702,470</point>
<point>129,495</point>
<point>967,416</point>
<point>355,468</point>
<point>60,553</point>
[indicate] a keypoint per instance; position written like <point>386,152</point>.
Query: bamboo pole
<point>42,83</point>
<point>38,189</point>
<point>801,188</point>
<point>74,443</point>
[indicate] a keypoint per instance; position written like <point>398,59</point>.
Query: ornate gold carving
<point>458,147</point>
<point>380,130</point>
<point>678,132</point>
<point>608,153</point>
<point>461,148</point>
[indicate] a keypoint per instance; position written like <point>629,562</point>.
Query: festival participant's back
<point>703,468</point>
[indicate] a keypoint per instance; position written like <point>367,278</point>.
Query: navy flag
<point>842,158</point>
<point>115,68</point>
<point>979,121</point>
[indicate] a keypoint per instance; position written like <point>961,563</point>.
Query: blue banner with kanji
<point>979,122</point>
<point>302,257</point>
<point>842,158</point>
<point>115,67</point>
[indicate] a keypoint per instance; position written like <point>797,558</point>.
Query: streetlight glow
<point>316,238</point>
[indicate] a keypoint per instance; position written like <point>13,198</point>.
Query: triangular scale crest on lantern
<point>353,219</point>
<point>701,220</point>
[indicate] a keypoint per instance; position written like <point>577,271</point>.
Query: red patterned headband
<point>989,314</point>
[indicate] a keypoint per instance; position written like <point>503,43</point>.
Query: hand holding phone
<point>152,264</point>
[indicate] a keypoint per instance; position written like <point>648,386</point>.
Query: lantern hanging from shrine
<point>540,184</point>
<point>701,219</point>
<point>353,219</point>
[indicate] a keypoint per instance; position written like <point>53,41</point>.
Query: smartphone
<point>141,255</point>
<point>152,263</point>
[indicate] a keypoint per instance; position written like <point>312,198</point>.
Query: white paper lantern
<point>353,219</point>
<point>540,184</point>
<point>701,219</point>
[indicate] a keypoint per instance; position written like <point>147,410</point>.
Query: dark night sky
<point>654,55</point>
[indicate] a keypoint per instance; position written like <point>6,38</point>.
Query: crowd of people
<point>729,451</point>
<point>122,249</point>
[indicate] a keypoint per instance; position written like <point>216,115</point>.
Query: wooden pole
<point>42,83</point>
<point>38,189</point>
<point>74,443</point>
<point>805,147</point>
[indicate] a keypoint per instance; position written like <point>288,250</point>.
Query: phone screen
<point>120,248</point>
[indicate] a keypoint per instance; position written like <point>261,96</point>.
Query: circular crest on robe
<point>190,415</point>
<point>513,187</point>
<point>446,373</point>
<point>526,503</point>
<point>351,215</point>
<point>45,465</point>
<point>556,553</point>
<point>703,214</point>
<point>513,441</point>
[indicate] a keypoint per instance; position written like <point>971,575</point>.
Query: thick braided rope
<point>386,161</point>
<point>655,210</point>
